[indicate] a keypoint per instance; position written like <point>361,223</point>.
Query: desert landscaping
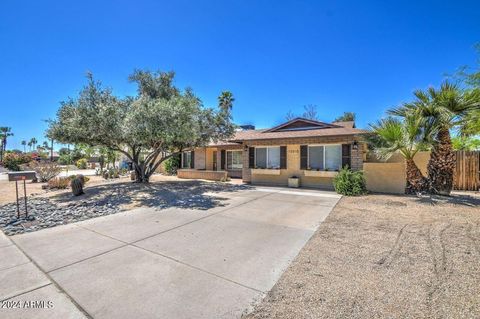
<point>384,256</point>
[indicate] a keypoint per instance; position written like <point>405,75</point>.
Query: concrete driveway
<point>179,263</point>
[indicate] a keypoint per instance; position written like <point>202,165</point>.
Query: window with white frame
<point>234,160</point>
<point>186,159</point>
<point>267,157</point>
<point>325,157</point>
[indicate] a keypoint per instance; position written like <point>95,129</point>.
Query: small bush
<point>82,163</point>
<point>46,170</point>
<point>59,183</point>
<point>350,183</point>
<point>171,165</point>
<point>12,161</point>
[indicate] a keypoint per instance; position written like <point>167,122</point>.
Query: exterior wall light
<point>355,145</point>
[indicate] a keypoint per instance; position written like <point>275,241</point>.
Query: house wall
<point>209,158</point>
<point>293,162</point>
<point>200,158</point>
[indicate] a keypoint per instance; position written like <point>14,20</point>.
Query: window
<point>333,157</point>
<point>234,160</point>
<point>325,157</point>
<point>261,157</point>
<point>267,157</point>
<point>315,157</point>
<point>186,159</point>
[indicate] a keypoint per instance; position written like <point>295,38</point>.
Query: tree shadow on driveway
<point>191,194</point>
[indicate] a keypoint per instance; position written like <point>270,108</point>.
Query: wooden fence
<point>467,172</point>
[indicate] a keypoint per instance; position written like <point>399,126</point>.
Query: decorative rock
<point>44,213</point>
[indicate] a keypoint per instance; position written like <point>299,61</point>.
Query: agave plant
<point>406,136</point>
<point>444,109</point>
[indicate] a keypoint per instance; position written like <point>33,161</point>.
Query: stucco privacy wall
<point>293,161</point>
<point>390,176</point>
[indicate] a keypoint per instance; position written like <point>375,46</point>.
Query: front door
<point>214,160</point>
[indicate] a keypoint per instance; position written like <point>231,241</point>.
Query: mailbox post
<point>21,176</point>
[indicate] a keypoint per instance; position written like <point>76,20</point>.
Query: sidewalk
<point>26,292</point>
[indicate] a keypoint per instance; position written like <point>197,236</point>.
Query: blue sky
<point>275,56</point>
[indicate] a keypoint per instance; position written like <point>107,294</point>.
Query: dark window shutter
<point>283,157</point>
<point>303,156</point>
<point>192,159</point>
<point>251,157</point>
<point>222,159</point>
<point>346,155</point>
<point>184,159</point>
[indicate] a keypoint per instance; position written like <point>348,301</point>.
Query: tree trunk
<point>416,182</point>
<point>51,152</point>
<point>442,164</point>
<point>141,175</point>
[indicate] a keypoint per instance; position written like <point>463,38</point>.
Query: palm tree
<point>407,136</point>
<point>445,109</point>
<point>24,143</point>
<point>472,124</point>
<point>225,100</point>
<point>5,132</point>
<point>33,142</point>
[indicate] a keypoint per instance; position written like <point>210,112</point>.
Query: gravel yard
<point>383,256</point>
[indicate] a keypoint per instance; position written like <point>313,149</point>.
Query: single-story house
<point>313,151</point>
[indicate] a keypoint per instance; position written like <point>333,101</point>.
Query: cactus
<point>82,179</point>
<point>77,186</point>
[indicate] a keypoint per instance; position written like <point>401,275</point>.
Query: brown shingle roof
<point>262,135</point>
<point>221,143</point>
<point>281,132</point>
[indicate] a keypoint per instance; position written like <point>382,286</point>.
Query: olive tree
<point>159,122</point>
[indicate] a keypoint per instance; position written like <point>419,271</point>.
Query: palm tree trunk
<point>416,182</point>
<point>442,164</point>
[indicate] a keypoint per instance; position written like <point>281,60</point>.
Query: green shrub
<point>350,183</point>
<point>12,161</point>
<point>82,163</point>
<point>171,165</point>
<point>65,159</point>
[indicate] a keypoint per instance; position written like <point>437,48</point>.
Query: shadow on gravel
<point>182,194</point>
<point>112,198</point>
<point>454,199</point>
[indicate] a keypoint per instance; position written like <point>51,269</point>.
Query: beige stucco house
<point>312,151</point>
